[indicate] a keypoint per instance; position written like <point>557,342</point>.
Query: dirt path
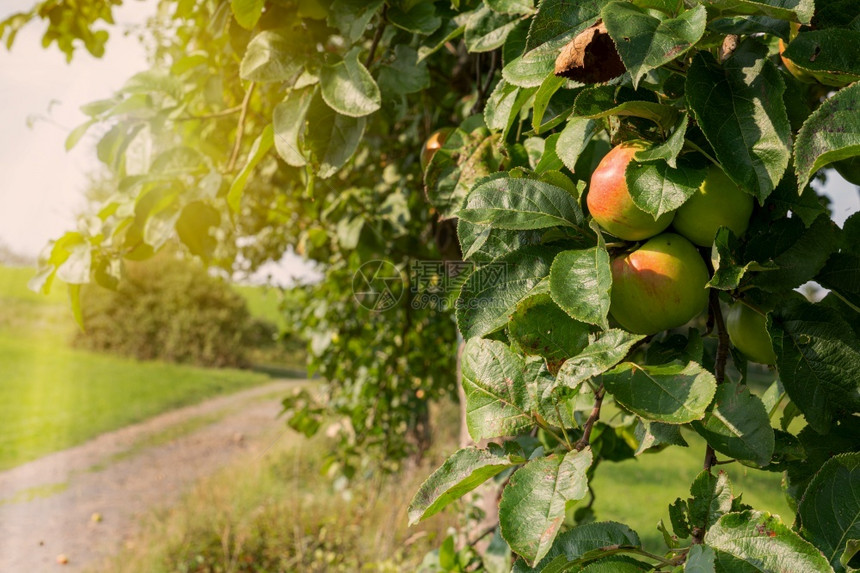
<point>46,506</point>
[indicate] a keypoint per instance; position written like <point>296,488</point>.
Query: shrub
<point>169,309</point>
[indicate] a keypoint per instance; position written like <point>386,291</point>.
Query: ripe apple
<point>658,286</point>
<point>717,203</point>
<point>433,144</point>
<point>610,203</point>
<point>800,74</point>
<point>748,333</point>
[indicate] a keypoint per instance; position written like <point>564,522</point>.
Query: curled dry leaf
<point>590,57</point>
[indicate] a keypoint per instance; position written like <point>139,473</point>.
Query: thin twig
<point>720,363</point>
<point>240,130</point>
<point>484,89</point>
<point>589,424</point>
<point>490,529</point>
<point>376,38</point>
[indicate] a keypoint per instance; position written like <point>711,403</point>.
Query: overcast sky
<point>41,186</point>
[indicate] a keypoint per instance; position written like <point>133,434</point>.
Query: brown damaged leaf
<point>590,58</point>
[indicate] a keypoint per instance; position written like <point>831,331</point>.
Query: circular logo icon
<point>378,285</point>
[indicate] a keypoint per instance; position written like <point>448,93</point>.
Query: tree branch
<point>240,130</point>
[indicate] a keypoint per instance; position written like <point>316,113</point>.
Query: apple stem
<point>703,152</point>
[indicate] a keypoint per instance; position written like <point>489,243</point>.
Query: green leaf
<point>555,24</point>
<point>482,244</point>
<point>792,10</point>
<point>841,275</point>
<point>497,400</point>
<point>832,55</point>
<point>352,17</point>
<point>512,6</point>
<point>464,158</point>
<point>616,564</point>
<point>558,21</point>
<point>533,504</point>
<point>405,75</point>
<point>193,226</point>
<point>520,204</point>
<point>740,109</point>
<point>674,393</point>
<point>763,543</point>
<point>576,542</point>
<point>259,149</point>
<point>532,68</point>
<point>786,197</point>
<point>503,106</point>
<point>738,425</point>
<point>75,304</point>
<point>419,18</point>
<point>668,150</point>
<point>818,358</point>
<point>493,291</point>
<point>598,357</point>
<point>655,434</point>
<point>332,138</point>
<point>797,252</point>
<point>487,30</point>
<point>288,122</point>
<point>711,499</point>
<point>574,138</point>
<point>540,328</point>
<point>348,88</point>
<point>646,42</point>
<point>831,133</point>
<point>657,188</point>
<point>605,101</point>
<point>274,56</point>
<point>829,512</point>
<point>76,134</point>
<point>580,282</point>
<point>700,559</point>
<point>543,96</point>
<point>462,472</point>
<point>247,12</point>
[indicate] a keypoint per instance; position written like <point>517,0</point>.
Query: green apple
<point>609,201</point>
<point>433,144</point>
<point>658,286</point>
<point>748,333</point>
<point>718,202</point>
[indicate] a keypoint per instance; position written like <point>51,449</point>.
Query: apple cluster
<point>662,283</point>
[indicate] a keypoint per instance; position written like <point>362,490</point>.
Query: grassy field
<point>53,397</point>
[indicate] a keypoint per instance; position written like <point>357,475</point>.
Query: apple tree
<point>629,186</point>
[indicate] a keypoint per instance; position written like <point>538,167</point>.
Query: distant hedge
<point>172,310</point>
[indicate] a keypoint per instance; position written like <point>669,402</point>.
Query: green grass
<point>36,492</point>
<point>53,397</point>
<point>263,303</point>
<point>638,492</point>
